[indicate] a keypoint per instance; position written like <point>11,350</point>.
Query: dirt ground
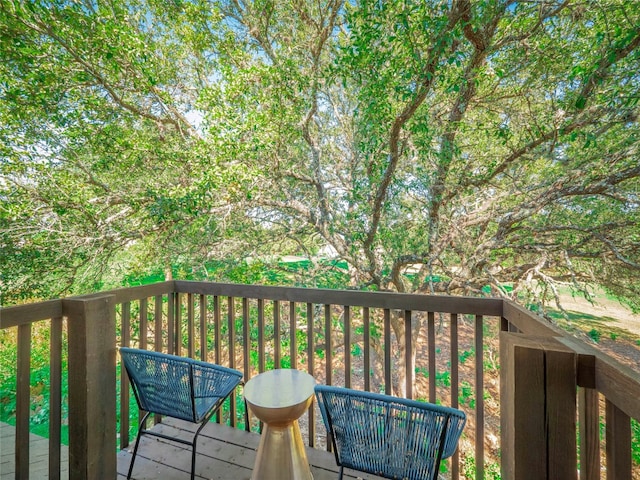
<point>616,314</point>
<point>606,324</point>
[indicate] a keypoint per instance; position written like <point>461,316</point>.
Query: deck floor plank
<point>223,453</point>
<point>38,456</point>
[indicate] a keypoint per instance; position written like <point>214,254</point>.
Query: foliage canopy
<point>484,143</point>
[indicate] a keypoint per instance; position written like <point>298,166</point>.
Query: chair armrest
<point>211,380</point>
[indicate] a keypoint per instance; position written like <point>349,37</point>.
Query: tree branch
<point>440,45</point>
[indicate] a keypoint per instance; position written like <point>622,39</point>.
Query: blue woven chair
<point>388,436</point>
<point>177,387</point>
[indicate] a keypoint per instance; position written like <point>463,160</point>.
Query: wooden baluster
<point>276,334</point>
<point>347,346</point>
<point>204,341</point>
<point>293,340</point>
<point>455,385</point>
<point>479,396</point>
<point>23,410</point>
<point>366,321</point>
<point>618,445</point>
<point>231,319</point>
<point>387,352</point>
<point>431,340</point>
<point>191,328</point>
<point>125,340</point>
<point>311,370</point>
<point>589,421</point>
<point>55,397</point>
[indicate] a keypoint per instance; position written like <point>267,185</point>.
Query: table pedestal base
<point>281,454</point>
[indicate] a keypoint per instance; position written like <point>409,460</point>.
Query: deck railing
<point>553,387</point>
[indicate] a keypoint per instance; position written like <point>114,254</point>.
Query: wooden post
<point>538,381</point>
<point>92,387</point>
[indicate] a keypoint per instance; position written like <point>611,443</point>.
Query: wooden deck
<point>224,453</point>
<point>38,454</point>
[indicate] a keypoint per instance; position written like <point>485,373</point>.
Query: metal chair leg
<point>194,443</point>
<point>135,449</point>
<point>193,459</point>
<point>247,426</point>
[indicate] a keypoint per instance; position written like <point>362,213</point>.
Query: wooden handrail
<point>29,313</point>
<point>390,300</point>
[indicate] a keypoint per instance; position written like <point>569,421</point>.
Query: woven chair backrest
<point>389,436</point>
<point>162,383</point>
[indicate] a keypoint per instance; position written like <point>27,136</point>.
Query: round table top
<point>279,388</point>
